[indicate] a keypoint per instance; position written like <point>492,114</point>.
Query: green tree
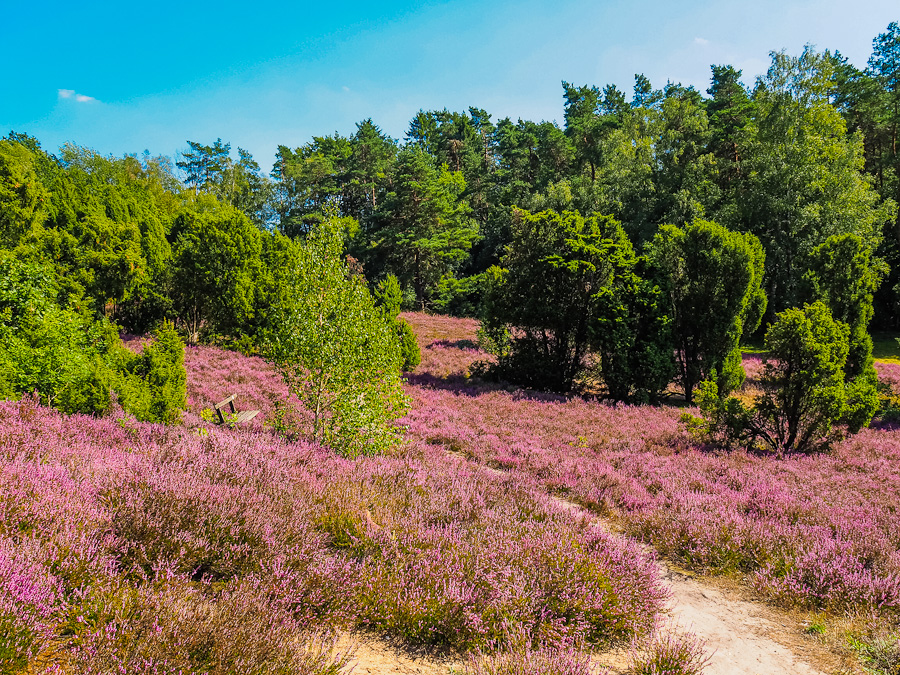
<point>713,279</point>
<point>203,164</point>
<point>633,334</point>
<point>803,406</point>
<point>76,362</point>
<point>730,110</point>
<point>884,66</point>
<point>803,179</point>
<point>309,180</point>
<point>335,349</point>
<point>371,159</point>
<point>584,123</point>
<point>423,228</point>
<point>540,307</point>
<point>843,275</point>
<point>23,197</point>
<point>216,260</point>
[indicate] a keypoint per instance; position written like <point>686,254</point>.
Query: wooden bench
<point>243,416</point>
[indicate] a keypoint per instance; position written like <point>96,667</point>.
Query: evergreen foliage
<point>389,296</point>
<point>422,228</point>
<point>806,402</point>
<point>713,283</point>
<point>75,362</point>
<point>633,335</point>
<point>567,284</point>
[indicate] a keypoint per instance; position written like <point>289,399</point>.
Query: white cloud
<point>71,93</point>
<point>701,41</point>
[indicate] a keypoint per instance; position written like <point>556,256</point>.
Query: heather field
<point>816,532</point>
<point>140,548</point>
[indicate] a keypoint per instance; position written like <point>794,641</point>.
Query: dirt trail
<point>743,637</point>
<point>738,632</point>
<point>372,656</point>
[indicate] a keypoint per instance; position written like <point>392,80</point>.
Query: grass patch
<point>885,347</point>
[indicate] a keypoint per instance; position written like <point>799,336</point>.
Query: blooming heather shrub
<point>668,653</point>
<point>174,627</point>
<point>450,570</point>
<point>888,392</point>
<point>818,532</point>
<point>520,656</point>
<point>30,597</point>
<point>155,549</point>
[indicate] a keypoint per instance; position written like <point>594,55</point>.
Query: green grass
<point>885,347</point>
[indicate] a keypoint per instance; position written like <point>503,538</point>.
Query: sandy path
<point>372,656</point>
<point>739,634</point>
<point>739,631</point>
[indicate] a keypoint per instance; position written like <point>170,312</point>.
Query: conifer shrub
<point>389,296</point>
<point>568,289</point>
<point>806,402</point>
<point>714,296</point>
<point>409,346</point>
<point>154,382</point>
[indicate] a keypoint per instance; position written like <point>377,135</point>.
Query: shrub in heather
<point>519,655</point>
<point>410,353</point>
<point>539,308</point>
<point>335,350</point>
<point>715,296</point>
<point>632,338</point>
<point>843,275</point>
<point>389,296</point>
<point>668,652</point>
<point>805,404</point>
<point>154,382</point>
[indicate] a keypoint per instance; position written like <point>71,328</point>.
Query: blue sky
<point>124,77</point>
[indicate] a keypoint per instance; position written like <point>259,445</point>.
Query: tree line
<point>809,152</point>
